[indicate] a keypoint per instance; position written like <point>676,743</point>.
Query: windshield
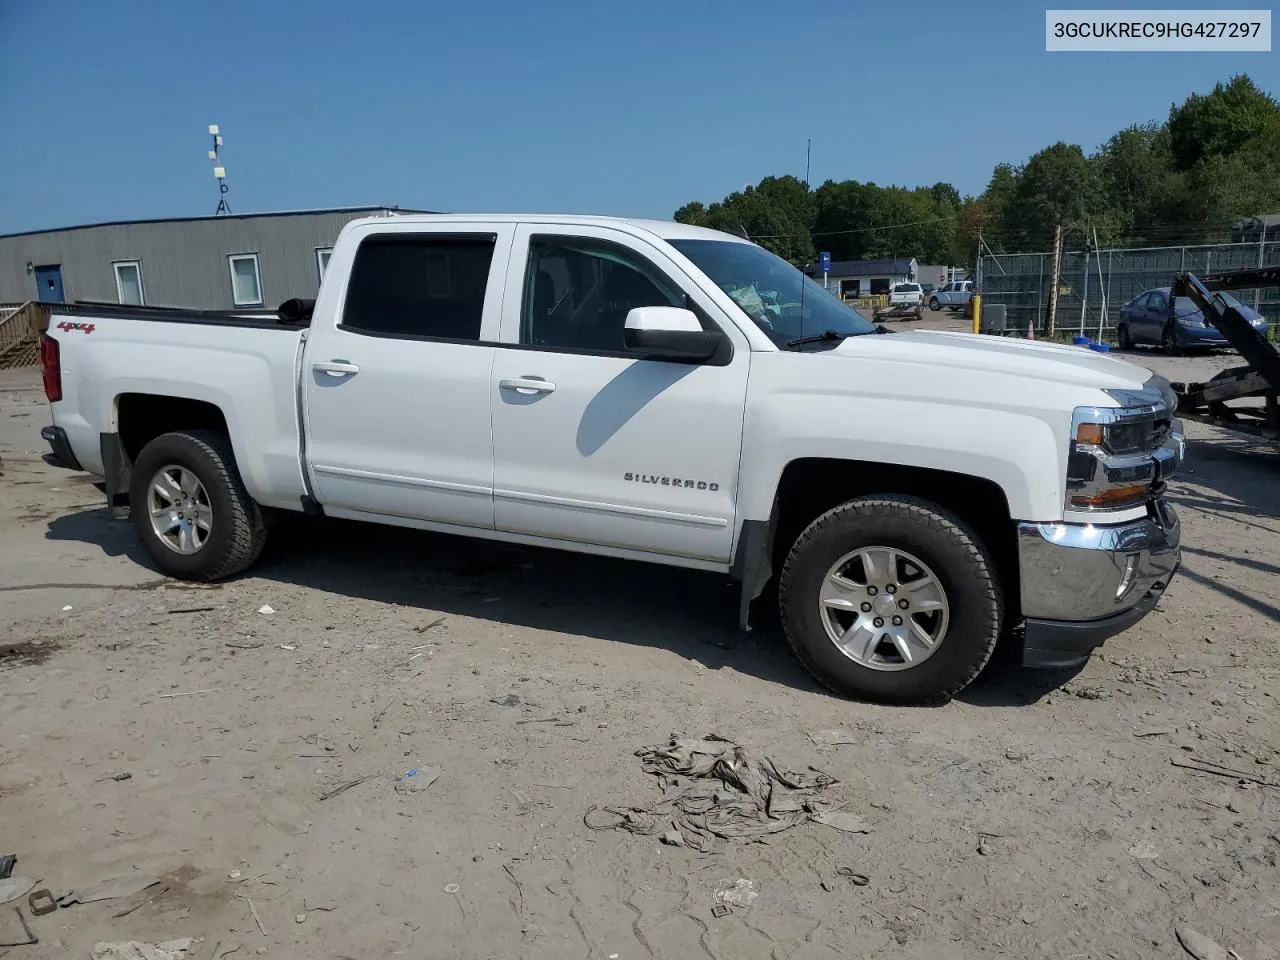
<point>1185,308</point>
<point>769,290</point>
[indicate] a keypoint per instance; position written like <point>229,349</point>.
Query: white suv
<point>953,295</point>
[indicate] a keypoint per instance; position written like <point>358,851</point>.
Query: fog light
<point>1130,573</point>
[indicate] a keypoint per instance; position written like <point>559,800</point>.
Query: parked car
<point>1153,318</point>
<point>647,390</point>
<point>953,295</point>
<point>905,300</point>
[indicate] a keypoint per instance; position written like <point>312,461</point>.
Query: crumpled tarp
<point>733,795</point>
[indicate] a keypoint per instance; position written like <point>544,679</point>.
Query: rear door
<point>591,445</point>
<point>397,390</point>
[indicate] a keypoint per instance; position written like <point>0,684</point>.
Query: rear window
<point>907,288</point>
<point>414,286</point>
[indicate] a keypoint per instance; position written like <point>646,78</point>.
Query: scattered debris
<point>1086,693</point>
<point>136,950</point>
<point>1218,770</point>
<point>67,608</point>
<point>855,878</point>
<point>189,693</point>
<point>1198,945</point>
<point>286,646</point>
<point>300,918</point>
<point>433,623</point>
<point>290,828</point>
<point>418,779</point>
<point>191,610</point>
<point>326,907</point>
<point>141,903</point>
<point>31,938</point>
<point>247,645</point>
<point>720,910</point>
<point>736,893</point>
<point>256,919</point>
<point>840,820</point>
<point>1157,732</point>
<point>451,888</point>
<point>7,863</point>
<point>1144,850</point>
<point>343,788</point>
<point>266,609</point>
<point>111,889</point>
<point>14,887</point>
<point>737,797</point>
<point>833,738</point>
<point>673,838</point>
<point>510,700</point>
<point>118,778</point>
<point>40,902</point>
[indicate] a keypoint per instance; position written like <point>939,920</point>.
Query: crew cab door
<point>591,444</point>
<point>396,377</point>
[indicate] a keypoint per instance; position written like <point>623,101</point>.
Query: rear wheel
<point>891,599</point>
<point>1122,335</point>
<point>190,509</point>
<point>934,305</point>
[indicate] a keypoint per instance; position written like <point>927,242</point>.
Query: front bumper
<point>1083,583</point>
<point>60,445</point>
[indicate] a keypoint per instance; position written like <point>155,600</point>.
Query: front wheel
<point>190,509</point>
<point>891,599</point>
<point>1170,342</point>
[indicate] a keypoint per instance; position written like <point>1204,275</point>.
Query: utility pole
<point>1057,273</point>
<point>807,151</point>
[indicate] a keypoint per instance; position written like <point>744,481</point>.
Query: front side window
<point>129,282</point>
<point>782,301</point>
<point>578,292</point>
<point>246,280</point>
<point>416,286</point>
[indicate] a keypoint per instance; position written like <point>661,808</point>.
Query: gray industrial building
<point>229,262</point>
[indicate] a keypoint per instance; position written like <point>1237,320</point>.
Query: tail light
<point>51,358</point>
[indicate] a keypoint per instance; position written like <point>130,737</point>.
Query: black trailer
<point>1260,378</point>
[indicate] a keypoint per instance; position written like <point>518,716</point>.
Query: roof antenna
<point>219,171</point>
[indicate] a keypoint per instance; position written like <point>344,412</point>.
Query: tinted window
<point>907,288</point>
<point>418,286</point>
<point>578,293</point>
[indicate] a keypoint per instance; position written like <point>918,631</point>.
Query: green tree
<point>1218,123</point>
<point>1058,185</point>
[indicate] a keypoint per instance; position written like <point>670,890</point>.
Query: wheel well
<point>812,486</point>
<point>141,417</point>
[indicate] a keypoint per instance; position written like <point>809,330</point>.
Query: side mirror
<point>670,333</point>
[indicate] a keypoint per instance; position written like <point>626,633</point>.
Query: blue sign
<point>824,262</point>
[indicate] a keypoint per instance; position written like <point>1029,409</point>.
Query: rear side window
<point>414,286</point>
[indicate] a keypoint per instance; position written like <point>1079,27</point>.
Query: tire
<point>1169,341</point>
<point>236,530</point>
<point>960,566</point>
<point>1122,335</point>
<point>934,305</point>
<point>919,313</point>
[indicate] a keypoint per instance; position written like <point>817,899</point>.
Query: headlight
<point>1120,456</point>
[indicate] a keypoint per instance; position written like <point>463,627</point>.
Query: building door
<point>49,284</point>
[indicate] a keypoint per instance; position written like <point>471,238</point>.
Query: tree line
<point>1214,161</point>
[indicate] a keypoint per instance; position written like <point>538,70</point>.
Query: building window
<point>129,282</point>
<point>246,280</point>
<point>322,261</point>
<point>419,287</point>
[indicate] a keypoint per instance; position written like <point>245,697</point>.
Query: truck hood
<point>1077,366</point>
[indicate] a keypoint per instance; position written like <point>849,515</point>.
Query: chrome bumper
<point>1082,583</point>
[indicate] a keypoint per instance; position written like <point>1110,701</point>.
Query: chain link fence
<point>1094,285</point>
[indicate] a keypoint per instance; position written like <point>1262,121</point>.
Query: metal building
<point>248,261</point>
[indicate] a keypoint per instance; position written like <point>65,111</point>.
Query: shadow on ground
<point>690,613</point>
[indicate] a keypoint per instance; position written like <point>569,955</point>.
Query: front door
<point>49,284</point>
<point>591,445</point>
<point>397,375</point>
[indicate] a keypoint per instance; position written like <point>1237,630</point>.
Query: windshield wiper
<point>818,338</point>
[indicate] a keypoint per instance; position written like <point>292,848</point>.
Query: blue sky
<point>560,106</point>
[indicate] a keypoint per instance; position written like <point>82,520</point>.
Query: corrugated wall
<point>184,262</point>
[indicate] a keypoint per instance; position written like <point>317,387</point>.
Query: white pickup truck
<point>653,391</point>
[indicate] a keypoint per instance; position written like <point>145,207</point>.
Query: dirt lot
<point>1037,816</point>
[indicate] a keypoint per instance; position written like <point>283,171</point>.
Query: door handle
<point>527,385</point>
<point>335,368</point>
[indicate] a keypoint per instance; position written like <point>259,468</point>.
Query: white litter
<point>134,950</point>
<point>67,608</point>
<point>266,608</point>
<point>737,893</point>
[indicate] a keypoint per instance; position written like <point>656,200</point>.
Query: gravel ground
<point>1039,815</point>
